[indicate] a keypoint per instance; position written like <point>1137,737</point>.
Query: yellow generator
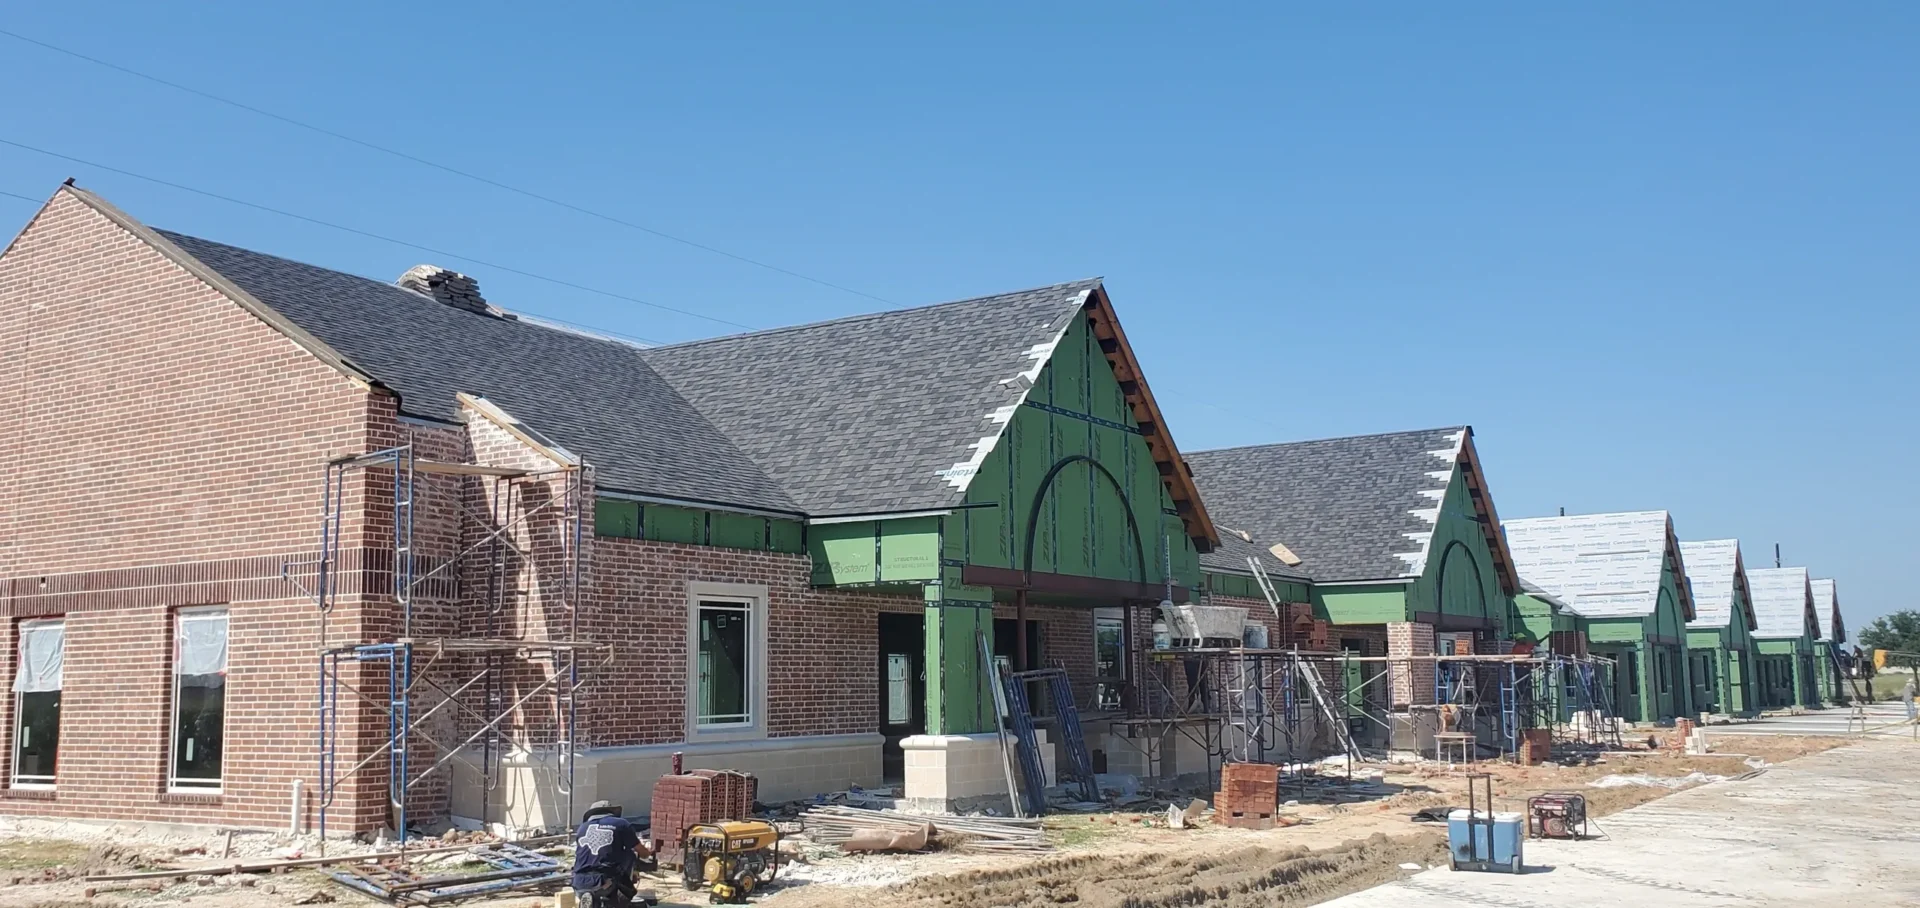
<point>730,859</point>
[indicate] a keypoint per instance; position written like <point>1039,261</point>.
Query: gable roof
<point>1601,565</point>
<point>872,414</point>
<point>1826,608</point>
<point>1716,573</point>
<point>1783,602</point>
<point>1361,507</point>
<point>1231,555</point>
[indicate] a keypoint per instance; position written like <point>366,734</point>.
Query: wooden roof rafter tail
<point>1679,566</point>
<point>1744,592</point>
<point>1174,472</point>
<point>1476,482</point>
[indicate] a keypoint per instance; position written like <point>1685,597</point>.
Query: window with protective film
<point>199,699</point>
<point>36,703</point>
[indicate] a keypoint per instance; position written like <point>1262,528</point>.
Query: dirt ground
<point>1103,860</point>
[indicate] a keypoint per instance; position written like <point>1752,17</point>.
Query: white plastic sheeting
<point>43,656</point>
<point>1600,565</point>
<point>200,650</point>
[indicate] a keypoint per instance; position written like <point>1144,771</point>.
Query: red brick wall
<point>823,645</point>
<point>164,448</point>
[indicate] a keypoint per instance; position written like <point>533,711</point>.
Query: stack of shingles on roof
<point>1826,607</point>
<point>1782,602</point>
<point>1356,508</point>
<point>1715,573</point>
<point>1598,565</point>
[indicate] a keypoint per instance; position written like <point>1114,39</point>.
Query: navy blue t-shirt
<point>603,848</point>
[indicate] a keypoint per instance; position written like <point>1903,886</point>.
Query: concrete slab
<point>1839,827</point>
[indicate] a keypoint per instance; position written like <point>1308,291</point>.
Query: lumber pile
<point>838,824</point>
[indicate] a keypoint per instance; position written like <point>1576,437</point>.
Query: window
<point>899,689</point>
<point>1632,666</point>
<point>726,670</point>
<point>726,661</point>
<point>1663,670</point>
<point>36,702</point>
<point>199,699</point>
<point>1109,661</point>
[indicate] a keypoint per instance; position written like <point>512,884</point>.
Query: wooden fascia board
<point>206,275</point>
<point>1489,519</point>
<point>1746,594</point>
<point>1174,473</point>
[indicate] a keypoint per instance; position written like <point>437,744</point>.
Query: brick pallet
<point>700,796</point>
<point>1249,795</point>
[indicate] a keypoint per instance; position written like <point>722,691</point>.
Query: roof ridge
<point>1307,441</point>
<point>527,318</point>
<point>1595,514</point>
<point>866,316</point>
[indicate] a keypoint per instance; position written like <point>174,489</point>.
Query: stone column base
<point>953,773</point>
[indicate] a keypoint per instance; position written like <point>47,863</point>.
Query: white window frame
<point>13,769</point>
<point>753,598</point>
<point>198,787</point>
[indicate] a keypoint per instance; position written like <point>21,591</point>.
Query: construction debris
<point>838,825</point>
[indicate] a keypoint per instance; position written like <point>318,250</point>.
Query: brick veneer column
<point>1412,682</point>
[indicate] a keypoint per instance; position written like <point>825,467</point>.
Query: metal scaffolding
<point>480,666</point>
<point>1238,704</point>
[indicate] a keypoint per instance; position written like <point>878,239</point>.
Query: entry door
<point>903,687</point>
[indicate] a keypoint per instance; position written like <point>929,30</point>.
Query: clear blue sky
<point>1659,260</point>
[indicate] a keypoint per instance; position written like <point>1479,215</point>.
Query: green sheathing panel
<point>1707,649</point>
<point>1614,638</point>
<point>1459,578</point>
<point>1668,623</point>
<point>1743,692</point>
<point>1534,620</point>
<point>845,553</point>
<point>910,550</point>
<point>1785,662</point>
<point>666,523</point>
<point>1244,586</point>
<point>1361,604</point>
<point>1074,418</point>
<point>958,699</point>
<point>869,552</point>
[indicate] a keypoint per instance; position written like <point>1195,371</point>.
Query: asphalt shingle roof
<point>1600,565</point>
<point>1234,550</point>
<point>1713,568</point>
<point>863,414</point>
<point>1782,600</point>
<point>595,396</point>
<point>869,414</point>
<point>1355,508</point>
<point>1826,607</point>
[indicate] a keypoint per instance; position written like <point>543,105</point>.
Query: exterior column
<point>1644,654</point>
<point>1727,699</point>
<point>958,699</point>
<point>1412,682</point>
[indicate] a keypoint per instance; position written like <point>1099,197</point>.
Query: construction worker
<point>606,849</point>
<point>1906,696</point>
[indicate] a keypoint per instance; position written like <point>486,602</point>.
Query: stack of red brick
<point>1249,795</point>
<point>1682,730</point>
<point>700,796</point>
<point>1536,747</point>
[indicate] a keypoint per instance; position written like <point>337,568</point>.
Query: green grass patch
<point>39,854</point>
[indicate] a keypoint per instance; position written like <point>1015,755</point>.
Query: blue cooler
<point>1479,840</point>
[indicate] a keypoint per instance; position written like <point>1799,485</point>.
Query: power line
<point>370,235</point>
<point>23,198</point>
<point>570,206</point>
